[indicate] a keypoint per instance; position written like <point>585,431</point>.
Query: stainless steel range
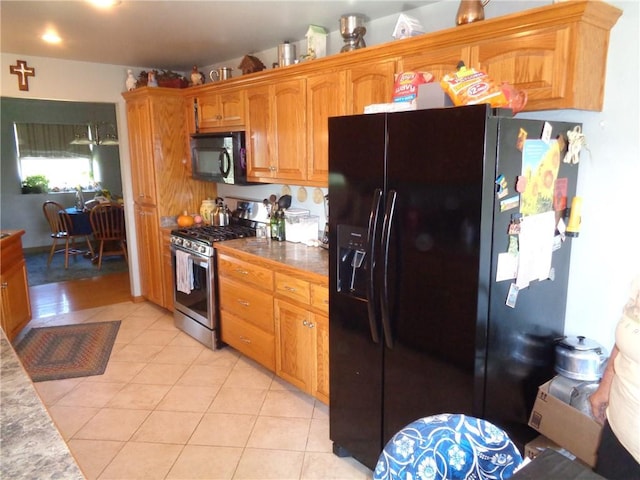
<point>194,268</point>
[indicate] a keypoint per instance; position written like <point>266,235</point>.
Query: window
<point>45,149</point>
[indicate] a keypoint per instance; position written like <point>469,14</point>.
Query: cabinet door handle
<point>244,303</point>
<point>242,272</point>
<point>245,339</point>
<point>289,289</point>
<point>4,285</point>
<point>218,117</point>
<point>311,325</point>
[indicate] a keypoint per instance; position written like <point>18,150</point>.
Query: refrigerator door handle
<point>371,235</point>
<point>386,240</point>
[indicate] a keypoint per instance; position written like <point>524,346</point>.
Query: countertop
<point>32,447</point>
<point>314,260</point>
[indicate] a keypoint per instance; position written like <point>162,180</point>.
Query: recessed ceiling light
<point>51,36</point>
<point>105,3</point>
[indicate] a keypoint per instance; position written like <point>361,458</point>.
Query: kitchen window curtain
<point>49,140</point>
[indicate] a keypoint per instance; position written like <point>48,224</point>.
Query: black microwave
<point>219,157</point>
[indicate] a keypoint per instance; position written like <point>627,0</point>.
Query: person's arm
<point>600,398</point>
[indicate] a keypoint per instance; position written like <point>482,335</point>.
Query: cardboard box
<point>538,445</point>
<point>565,425</point>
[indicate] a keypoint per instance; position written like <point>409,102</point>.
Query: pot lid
<point>580,343</point>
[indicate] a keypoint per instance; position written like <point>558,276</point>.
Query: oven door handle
<point>196,259</point>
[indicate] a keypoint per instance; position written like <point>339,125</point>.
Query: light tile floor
<point>169,408</point>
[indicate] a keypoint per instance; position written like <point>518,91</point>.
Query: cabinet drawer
<point>246,272</point>
<point>247,303</point>
<point>293,288</point>
<point>320,297</point>
<point>249,340</point>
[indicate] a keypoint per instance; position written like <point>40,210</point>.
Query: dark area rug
<point>79,267</point>
<point>68,351</point>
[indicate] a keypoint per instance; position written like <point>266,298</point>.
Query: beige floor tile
<point>154,337</point>
<point>94,455</point>
<point>281,433</point>
<point>164,322</point>
<point>159,374</point>
<point>127,333</point>
<point>167,427</point>
<point>118,372</point>
<point>204,375</point>
<point>91,394</point>
<point>224,430</point>
<point>238,400</point>
<point>51,392</point>
<point>287,403</point>
<point>320,410</point>
<point>200,462</point>
<point>112,424</point>
<point>186,398</point>
<point>243,376</point>
<point>142,461</point>
<point>139,395</point>
<point>258,464</point>
<point>177,354</point>
<point>280,384</point>
<point>69,420</point>
<point>136,353</point>
<point>327,466</point>
<point>224,357</point>
<point>318,440</point>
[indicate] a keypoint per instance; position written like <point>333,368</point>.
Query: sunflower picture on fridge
<point>540,165</point>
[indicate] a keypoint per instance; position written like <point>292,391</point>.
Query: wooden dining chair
<point>62,230</point>
<point>107,223</point>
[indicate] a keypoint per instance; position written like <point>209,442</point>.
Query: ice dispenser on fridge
<point>352,260</point>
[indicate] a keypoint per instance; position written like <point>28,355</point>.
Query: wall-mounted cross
<point>23,73</point>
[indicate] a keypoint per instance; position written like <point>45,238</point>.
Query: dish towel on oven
<point>184,272</point>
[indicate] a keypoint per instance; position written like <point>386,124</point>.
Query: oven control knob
<point>187,243</point>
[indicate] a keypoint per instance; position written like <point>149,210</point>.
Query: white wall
<point>605,256</point>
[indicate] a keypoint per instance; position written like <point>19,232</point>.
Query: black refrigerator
<point>422,321</point>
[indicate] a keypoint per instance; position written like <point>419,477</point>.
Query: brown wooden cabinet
<point>326,97</point>
<point>302,334</point>
<point>557,53</point>
<point>276,136</point>
<point>220,109</point>
<point>369,83</point>
<point>15,306</point>
<point>246,308</point>
<point>161,178</point>
<point>276,315</point>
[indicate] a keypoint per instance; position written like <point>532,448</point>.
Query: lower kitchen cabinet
<point>302,346</point>
<point>277,317</point>
<point>246,309</point>
<point>150,254</point>
<point>15,306</point>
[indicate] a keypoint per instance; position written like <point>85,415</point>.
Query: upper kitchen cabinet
<point>369,83</point>
<point>556,53</point>
<point>140,146</point>
<point>326,98</point>
<point>221,109</point>
<point>438,62</point>
<point>275,131</point>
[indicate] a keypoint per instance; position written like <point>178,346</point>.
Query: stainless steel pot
<point>220,216</point>
<point>580,358</point>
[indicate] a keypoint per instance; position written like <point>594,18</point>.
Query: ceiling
<point>172,35</point>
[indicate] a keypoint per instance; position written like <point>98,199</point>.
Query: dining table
<point>80,221</point>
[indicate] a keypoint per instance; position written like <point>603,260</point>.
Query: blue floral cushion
<point>448,446</point>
